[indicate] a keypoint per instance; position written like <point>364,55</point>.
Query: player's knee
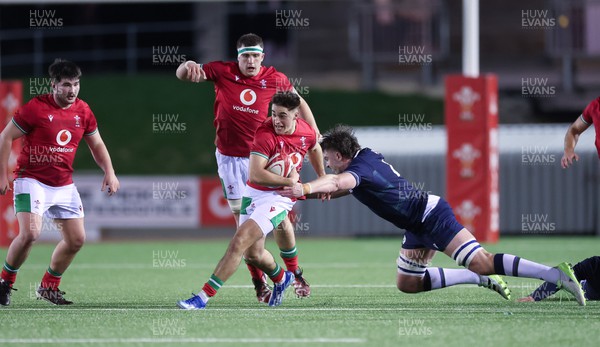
<point>409,284</point>
<point>29,238</point>
<point>252,257</point>
<point>240,242</point>
<point>472,256</point>
<point>76,243</point>
<point>482,263</point>
<point>29,235</point>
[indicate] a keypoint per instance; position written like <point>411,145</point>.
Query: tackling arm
<point>323,184</point>
<point>571,138</point>
<point>325,196</point>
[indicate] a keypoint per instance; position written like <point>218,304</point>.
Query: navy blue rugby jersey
<point>389,195</point>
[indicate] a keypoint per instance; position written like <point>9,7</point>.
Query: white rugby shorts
<point>267,208</point>
<point>30,195</point>
<point>233,172</point>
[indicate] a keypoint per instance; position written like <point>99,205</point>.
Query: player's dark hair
<point>341,138</point>
<point>288,100</point>
<point>250,39</point>
<point>63,69</point>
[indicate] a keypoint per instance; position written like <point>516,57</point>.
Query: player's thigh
<point>233,173</point>
<point>66,210</point>
<point>30,225</point>
<point>266,208</point>
<point>29,205</point>
<point>73,230</point>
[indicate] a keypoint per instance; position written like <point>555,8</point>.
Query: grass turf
<point>125,295</point>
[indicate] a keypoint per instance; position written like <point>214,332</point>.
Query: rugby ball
<point>280,165</point>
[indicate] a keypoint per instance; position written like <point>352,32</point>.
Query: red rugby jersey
<point>52,135</point>
<point>267,144</point>
<point>591,115</point>
<point>241,103</point>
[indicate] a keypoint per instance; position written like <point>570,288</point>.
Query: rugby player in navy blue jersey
<point>587,272</point>
<point>428,220</point>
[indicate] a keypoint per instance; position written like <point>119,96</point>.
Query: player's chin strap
<point>235,205</point>
<point>466,252</point>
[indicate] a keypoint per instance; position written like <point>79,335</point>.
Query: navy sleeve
<point>545,290</point>
<point>359,170</point>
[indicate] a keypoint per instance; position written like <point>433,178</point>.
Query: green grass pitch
<point>125,295</point>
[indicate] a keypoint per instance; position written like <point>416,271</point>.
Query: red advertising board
<point>472,160</point>
<point>11,97</point>
<point>214,209</point>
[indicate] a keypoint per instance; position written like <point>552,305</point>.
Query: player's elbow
<point>253,179</point>
<point>336,183</point>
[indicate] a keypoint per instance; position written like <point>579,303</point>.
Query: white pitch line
<point>244,286</point>
<point>173,264</point>
<point>257,309</point>
<point>183,340</point>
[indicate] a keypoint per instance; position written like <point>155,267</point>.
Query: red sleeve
<point>313,135</point>
<point>264,142</point>
<point>213,70</point>
<point>92,125</point>
<point>591,111</point>
<point>22,118</point>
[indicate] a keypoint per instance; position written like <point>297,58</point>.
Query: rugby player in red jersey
<point>52,126</point>
<point>263,209</point>
<point>590,115</point>
<point>243,91</point>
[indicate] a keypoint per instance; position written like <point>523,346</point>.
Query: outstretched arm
<point>571,138</point>
<point>324,184</point>
<point>542,292</point>
<point>328,196</point>
<point>190,71</point>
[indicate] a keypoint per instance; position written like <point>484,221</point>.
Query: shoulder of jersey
<point>270,70</point>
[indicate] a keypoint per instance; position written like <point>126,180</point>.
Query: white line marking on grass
<point>257,309</point>
<point>244,286</point>
<point>367,286</point>
<point>183,340</point>
<point>149,265</point>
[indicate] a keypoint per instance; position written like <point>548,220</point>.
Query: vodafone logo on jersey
<point>248,97</point>
<point>63,137</point>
